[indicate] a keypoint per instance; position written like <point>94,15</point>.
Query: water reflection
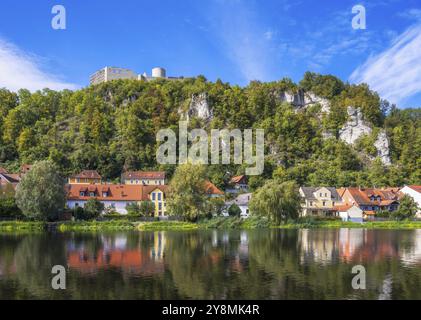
<point>258,264</point>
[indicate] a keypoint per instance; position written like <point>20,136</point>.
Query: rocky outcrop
<point>355,127</point>
<point>199,107</point>
<point>382,146</point>
<point>303,99</point>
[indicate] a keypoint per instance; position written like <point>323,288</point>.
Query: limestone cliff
<point>356,127</point>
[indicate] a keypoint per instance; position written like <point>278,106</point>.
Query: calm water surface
<point>257,264</point>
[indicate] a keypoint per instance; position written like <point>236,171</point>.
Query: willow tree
<point>276,201</point>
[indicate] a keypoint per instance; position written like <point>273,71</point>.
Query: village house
<point>242,201</point>
<point>9,178</point>
<point>146,178</point>
<point>116,196</point>
<point>238,184</point>
<point>350,213</point>
<point>212,191</point>
<point>371,200</point>
<point>415,193</point>
<point>319,201</point>
<point>86,177</point>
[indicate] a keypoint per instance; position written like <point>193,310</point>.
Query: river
<point>215,264</point>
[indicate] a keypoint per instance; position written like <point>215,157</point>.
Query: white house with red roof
<point>415,193</point>
<point>117,196</point>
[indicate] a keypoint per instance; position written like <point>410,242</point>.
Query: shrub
<point>234,211</point>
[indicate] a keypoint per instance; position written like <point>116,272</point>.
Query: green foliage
<point>278,201</point>
<point>215,206</point>
<point>407,208</point>
<point>112,126</point>
<point>93,209</point>
<point>186,196</point>
<point>8,207</point>
<point>40,195</point>
<point>234,210</point>
<point>142,209</point>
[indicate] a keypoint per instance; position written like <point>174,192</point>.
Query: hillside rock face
<point>382,146</point>
<point>357,127</point>
<point>199,107</point>
<point>303,99</point>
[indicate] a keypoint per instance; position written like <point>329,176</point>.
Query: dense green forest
<point>112,127</point>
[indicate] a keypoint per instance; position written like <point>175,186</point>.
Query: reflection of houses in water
<point>113,253</point>
<point>232,244</point>
<point>350,240</point>
<point>157,251</point>
<point>320,246</point>
<point>324,246</point>
<point>7,269</point>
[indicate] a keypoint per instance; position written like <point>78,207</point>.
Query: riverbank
<point>215,223</point>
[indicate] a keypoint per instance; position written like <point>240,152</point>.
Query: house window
<point>77,180</point>
<point>153,196</point>
<point>311,203</point>
<point>160,206</point>
<point>159,197</point>
<point>143,182</point>
<point>76,205</point>
<point>105,194</point>
<point>92,194</point>
<point>324,203</point>
<point>82,194</point>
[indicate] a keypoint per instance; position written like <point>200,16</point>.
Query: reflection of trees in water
<point>34,257</point>
<point>255,264</point>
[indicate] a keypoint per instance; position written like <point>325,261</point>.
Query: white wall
<point>120,206</point>
<point>415,195</point>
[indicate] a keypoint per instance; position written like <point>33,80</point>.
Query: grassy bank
<point>21,226</point>
<point>215,223</point>
<point>366,225</point>
<point>114,225</point>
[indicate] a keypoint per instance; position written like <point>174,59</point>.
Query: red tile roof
<point>343,208</point>
<point>210,188</point>
<point>116,192</point>
<point>87,174</point>
<point>144,175</point>
<point>416,188</point>
<point>362,195</point>
<point>238,179</point>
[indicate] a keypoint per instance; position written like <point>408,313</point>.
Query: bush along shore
<point>214,223</point>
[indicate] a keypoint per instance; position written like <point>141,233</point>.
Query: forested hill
<point>111,127</point>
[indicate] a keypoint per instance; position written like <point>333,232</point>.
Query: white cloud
<point>396,72</point>
<point>242,38</point>
<point>21,70</point>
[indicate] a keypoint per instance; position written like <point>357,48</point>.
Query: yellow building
<point>86,177</point>
<point>157,195</point>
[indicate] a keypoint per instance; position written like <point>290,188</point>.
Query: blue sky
<point>234,40</point>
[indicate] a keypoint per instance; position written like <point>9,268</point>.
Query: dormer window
<point>105,194</point>
<point>92,194</point>
<point>82,194</point>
